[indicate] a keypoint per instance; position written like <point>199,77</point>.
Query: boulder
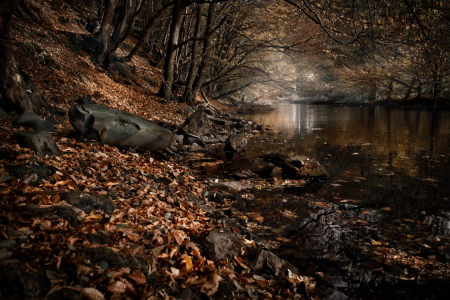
<point>236,143</point>
<point>222,245</point>
<point>33,121</point>
<point>118,127</point>
<point>41,142</point>
<point>198,123</point>
<point>301,166</point>
<point>259,166</point>
<point>262,260</point>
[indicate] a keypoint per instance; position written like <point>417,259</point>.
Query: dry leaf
<point>92,294</point>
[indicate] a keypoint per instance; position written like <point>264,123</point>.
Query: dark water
<point>379,227</point>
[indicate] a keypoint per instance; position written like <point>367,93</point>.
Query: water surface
<point>381,223</point>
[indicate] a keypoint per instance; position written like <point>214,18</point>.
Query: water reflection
<point>383,217</point>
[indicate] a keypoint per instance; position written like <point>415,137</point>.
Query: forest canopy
<point>328,50</point>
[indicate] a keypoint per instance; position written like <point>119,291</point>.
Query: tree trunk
<point>121,25</point>
<point>193,65</point>
<point>123,30</point>
<point>105,32</point>
<point>145,32</point>
<point>198,82</point>
<point>408,92</point>
<point>15,93</point>
<point>177,17</point>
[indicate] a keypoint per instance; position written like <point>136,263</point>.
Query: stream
<point>379,227</point>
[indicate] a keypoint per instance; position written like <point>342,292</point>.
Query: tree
<point>15,92</point>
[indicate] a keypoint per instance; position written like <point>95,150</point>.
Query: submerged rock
<point>118,127</point>
<point>301,166</point>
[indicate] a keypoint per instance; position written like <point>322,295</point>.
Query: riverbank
<point>106,222</point>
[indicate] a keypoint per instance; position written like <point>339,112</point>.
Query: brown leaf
<point>92,294</point>
<point>138,277</point>
<point>117,287</point>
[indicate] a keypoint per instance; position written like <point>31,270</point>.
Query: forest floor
<point>150,252</point>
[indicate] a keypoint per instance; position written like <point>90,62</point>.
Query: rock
<point>3,114</point>
<point>263,168</point>
<point>262,260</point>
<point>64,293</point>
<point>187,294</point>
<point>17,280</point>
<point>222,245</point>
<point>301,166</point>
<point>179,138</point>
<point>88,201</point>
<point>277,173</point>
<point>198,123</point>
<point>97,238</point>
<point>33,121</point>
<point>188,140</point>
<point>196,148</point>
<point>199,202</point>
<point>210,140</point>
<point>236,143</point>
<point>222,122</point>
<point>103,254</point>
<point>61,211</point>
<point>45,59</point>
<point>5,178</point>
<point>230,186</point>
<point>118,127</point>
<point>8,244</point>
<point>41,142</point>
<point>42,170</point>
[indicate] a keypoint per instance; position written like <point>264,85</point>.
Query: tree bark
<point>177,17</point>
<point>15,93</point>
<point>193,65</point>
<point>105,32</point>
<point>198,82</point>
<point>144,34</point>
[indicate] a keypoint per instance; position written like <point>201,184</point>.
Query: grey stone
<point>222,245</point>
<point>262,260</point>
<point>231,186</point>
<point>118,127</point>
<point>198,123</point>
<point>196,148</point>
<point>5,254</point>
<point>41,142</point>
<point>88,201</point>
<point>33,121</point>
<point>301,166</point>
<point>42,170</point>
<point>259,166</point>
<point>5,178</point>
<point>8,244</point>
<point>235,142</point>
<point>3,114</point>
